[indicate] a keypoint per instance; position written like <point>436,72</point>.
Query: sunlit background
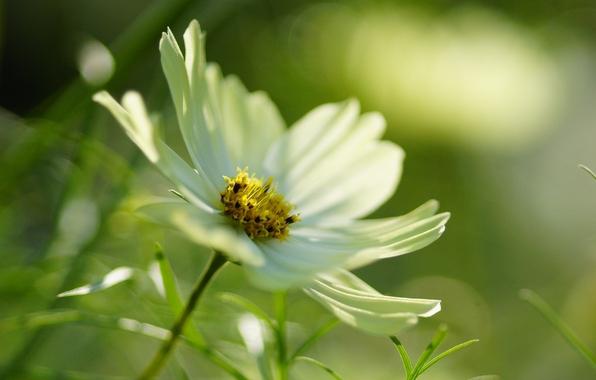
<point>493,102</point>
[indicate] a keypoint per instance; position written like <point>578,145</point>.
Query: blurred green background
<point>494,103</point>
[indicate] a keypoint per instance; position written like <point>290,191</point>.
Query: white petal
<point>302,189</point>
<point>359,305</point>
<point>251,124</point>
<point>140,132</point>
<point>137,125</point>
<point>375,239</point>
<point>203,141</point>
<point>332,166</point>
<point>309,140</point>
<point>211,230</point>
<point>358,187</point>
<point>223,125</point>
<point>295,262</point>
<point>374,323</point>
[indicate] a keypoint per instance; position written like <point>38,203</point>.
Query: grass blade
<point>446,353</point>
<point>318,334</point>
<point>432,346</point>
<point>317,363</point>
<point>553,318</point>
<point>588,170</point>
<point>405,358</point>
<point>172,294</point>
<point>114,277</point>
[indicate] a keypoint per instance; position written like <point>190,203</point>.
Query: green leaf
<point>424,363</point>
<point>553,318</point>
<point>167,284</point>
<point>172,295</point>
<point>446,353</point>
<point>432,346</point>
<point>46,318</point>
<point>324,367</point>
<point>45,373</point>
<point>114,277</point>
<point>318,334</point>
<point>405,358</point>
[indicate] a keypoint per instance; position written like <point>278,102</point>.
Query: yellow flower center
<point>257,206</point>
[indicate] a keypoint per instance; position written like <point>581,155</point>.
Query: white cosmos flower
<point>283,202</point>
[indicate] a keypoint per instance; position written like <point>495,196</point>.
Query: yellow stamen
<point>257,206</point>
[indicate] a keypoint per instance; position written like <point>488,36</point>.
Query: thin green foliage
<point>445,353</point>
<point>173,296</point>
<point>45,373</point>
<point>114,277</point>
<point>437,339</point>
<point>405,357</point>
<point>314,337</point>
<point>280,331</point>
<point>553,318</point>
<point>588,170</point>
<point>426,361</point>
<point>57,317</point>
<point>321,365</point>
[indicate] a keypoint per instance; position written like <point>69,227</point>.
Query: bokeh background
<point>493,101</point>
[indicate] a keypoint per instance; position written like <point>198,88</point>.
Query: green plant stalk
<point>446,353</point>
<point>324,329</point>
<point>432,346</point>
<point>319,364</point>
<point>280,317</point>
<point>75,269</point>
<point>553,318</point>
<point>56,317</point>
<point>213,266</point>
<point>405,358</point>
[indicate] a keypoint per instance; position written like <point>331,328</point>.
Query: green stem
<point>280,316</point>
<point>405,358</point>
<point>160,358</point>
<point>324,329</point>
<point>551,316</point>
<point>432,346</point>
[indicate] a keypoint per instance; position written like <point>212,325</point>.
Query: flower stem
<point>280,316</point>
<point>159,360</point>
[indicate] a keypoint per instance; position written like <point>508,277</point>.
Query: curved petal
<point>332,166</point>
<point>250,121</point>
<point>190,93</point>
<point>367,179</point>
<point>295,262</point>
<point>133,117</point>
<point>359,305</point>
<point>375,239</point>
<point>212,230</point>
<point>223,125</point>
<point>309,140</point>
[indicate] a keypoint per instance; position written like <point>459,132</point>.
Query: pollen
<point>257,206</point>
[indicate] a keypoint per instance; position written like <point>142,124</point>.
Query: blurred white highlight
<point>95,63</point>
<point>252,333</point>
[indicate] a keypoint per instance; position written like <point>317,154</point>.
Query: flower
<point>284,203</point>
